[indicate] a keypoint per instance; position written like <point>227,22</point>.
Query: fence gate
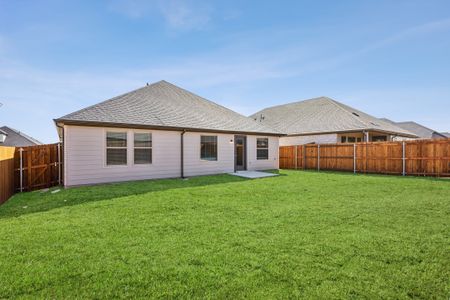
<point>37,167</point>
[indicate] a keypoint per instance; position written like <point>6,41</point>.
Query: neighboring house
<point>421,131</point>
<point>446,134</point>
<point>324,120</point>
<point>13,138</point>
<point>161,131</point>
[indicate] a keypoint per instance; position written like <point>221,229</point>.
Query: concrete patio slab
<point>253,174</point>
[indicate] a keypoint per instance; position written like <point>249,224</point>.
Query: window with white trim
<point>262,148</point>
<point>116,148</point>
<point>142,148</point>
<point>208,147</point>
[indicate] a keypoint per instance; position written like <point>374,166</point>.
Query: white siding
<point>194,166</point>
<point>85,156</point>
<point>306,139</point>
<point>85,152</point>
<point>266,164</point>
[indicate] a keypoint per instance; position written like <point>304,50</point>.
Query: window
<point>262,148</point>
<point>208,147</point>
<point>142,148</point>
<point>379,138</point>
<point>116,148</point>
<point>350,139</point>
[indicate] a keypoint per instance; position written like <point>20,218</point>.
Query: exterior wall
<point>85,156</point>
<point>194,166</point>
<point>308,139</point>
<point>266,164</point>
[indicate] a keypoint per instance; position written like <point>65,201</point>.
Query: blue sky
<point>387,58</point>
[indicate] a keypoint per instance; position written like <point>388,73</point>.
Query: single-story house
<point>14,138</point>
<point>421,131</point>
<point>323,121</point>
<point>161,131</point>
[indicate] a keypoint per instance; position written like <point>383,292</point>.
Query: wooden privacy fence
<point>416,157</point>
<point>6,171</point>
<point>30,168</point>
<point>37,167</point>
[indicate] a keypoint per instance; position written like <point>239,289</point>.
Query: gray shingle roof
<point>322,115</point>
<point>418,129</point>
<point>15,138</point>
<point>163,104</point>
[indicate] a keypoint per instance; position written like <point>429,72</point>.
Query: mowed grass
<point>301,234</point>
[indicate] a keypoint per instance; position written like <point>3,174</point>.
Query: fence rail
<point>418,157</point>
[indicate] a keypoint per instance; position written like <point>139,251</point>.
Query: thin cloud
<point>177,14</point>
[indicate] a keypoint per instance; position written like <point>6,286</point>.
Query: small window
<point>116,148</point>
<point>262,148</point>
<point>358,140</point>
<point>379,138</point>
<point>142,148</point>
<point>351,139</point>
<point>343,139</point>
<point>208,147</point>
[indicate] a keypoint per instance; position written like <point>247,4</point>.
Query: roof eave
<point>352,131</point>
<point>61,121</point>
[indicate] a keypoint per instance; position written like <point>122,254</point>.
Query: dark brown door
<point>240,151</point>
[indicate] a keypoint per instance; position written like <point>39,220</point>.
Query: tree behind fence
<point>416,157</point>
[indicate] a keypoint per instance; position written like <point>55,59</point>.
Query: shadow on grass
<point>38,201</point>
<point>350,173</point>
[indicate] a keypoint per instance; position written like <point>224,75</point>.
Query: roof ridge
<point>219,105</point>
<point>418,124</point>
<point>109,100</point>
<point>338,104</point>
<point>31,139</point>
<point>289,103</point>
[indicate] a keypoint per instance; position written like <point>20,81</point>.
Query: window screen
<point>116,148</point>
<point>208,147</point>
<point>142,148</point>
<point>262,148</point>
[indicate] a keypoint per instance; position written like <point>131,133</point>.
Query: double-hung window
<point>262,148</point>
<point>208,147</point>
<point>142,148</point>
<point>116,148</point>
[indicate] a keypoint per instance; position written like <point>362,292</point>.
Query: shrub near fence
<point>416,157</point>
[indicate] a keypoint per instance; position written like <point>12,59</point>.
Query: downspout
<point>61,178</point>
<point>182,152</point>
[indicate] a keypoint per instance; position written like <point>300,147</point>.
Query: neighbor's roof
<point>418,129</point>
<point>447,134</point>
<point>322,115</point>
<point>164,105</point>
<point>15,138</point>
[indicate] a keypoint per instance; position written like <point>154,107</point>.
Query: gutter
<point>154,127</point>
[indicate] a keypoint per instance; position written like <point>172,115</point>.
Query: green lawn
<point>302,234</point>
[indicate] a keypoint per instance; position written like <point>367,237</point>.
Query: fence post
<point>354,158</point>
<point>21,169</point>
<point>318,157</point>
<point>403,159</point>
<point>296,160</point>
<point>59,163</point>
<point>304,157</point>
